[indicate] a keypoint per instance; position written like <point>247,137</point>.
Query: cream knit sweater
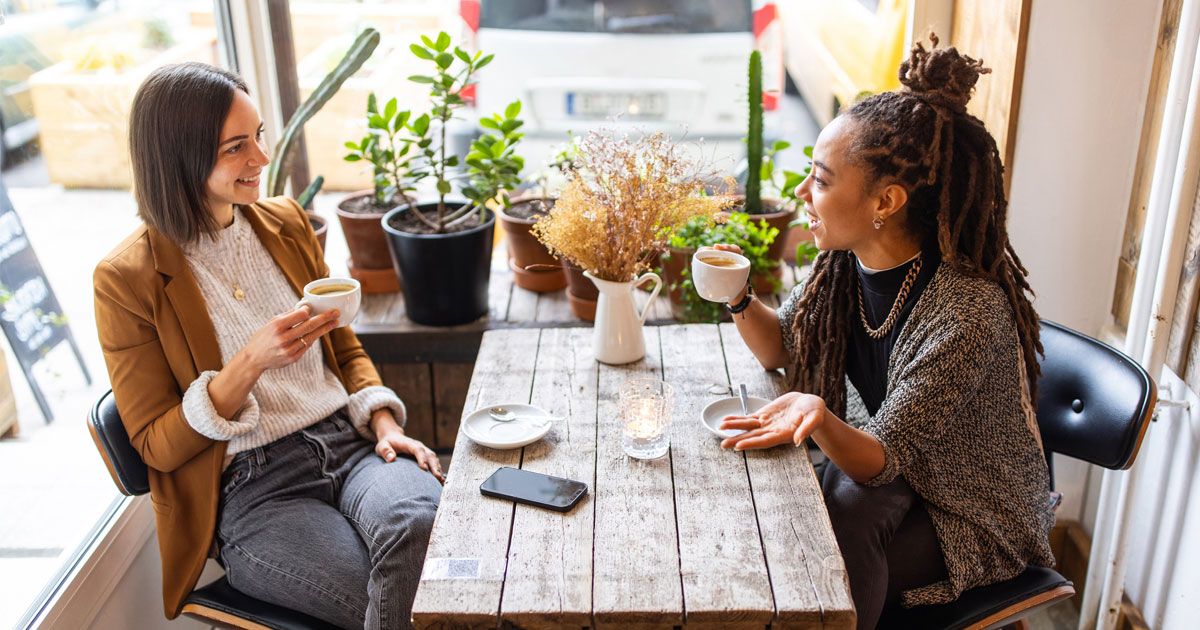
<point>286,399</point>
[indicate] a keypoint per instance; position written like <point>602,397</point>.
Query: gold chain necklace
<point>879,333</point>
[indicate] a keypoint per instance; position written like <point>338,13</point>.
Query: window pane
<point>68,72</point>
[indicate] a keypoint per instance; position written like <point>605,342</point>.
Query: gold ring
<point>303,341</point>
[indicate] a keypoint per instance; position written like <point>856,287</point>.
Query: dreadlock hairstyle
<point>921,137</point>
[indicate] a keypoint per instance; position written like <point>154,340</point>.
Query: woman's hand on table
<point>284,339</point>
<point>788,419</point>
<point>390,440</point>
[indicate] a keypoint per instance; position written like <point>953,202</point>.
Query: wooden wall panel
<point>412,383</point>
<point>995,31</point>
<point>1143,173</point>
<point>450,383</point>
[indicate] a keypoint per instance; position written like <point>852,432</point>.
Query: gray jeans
<point>317,522</point>
<point>886,538</point>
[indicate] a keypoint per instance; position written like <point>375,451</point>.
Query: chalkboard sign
<point>29,313</point>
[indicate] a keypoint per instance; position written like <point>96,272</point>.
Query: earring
<point>878,223</point>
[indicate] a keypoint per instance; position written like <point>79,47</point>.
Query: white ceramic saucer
<point>716,411</point>
<point>485,431</point>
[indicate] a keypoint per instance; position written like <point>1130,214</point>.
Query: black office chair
<point>218,603</point>
<point>1093,404</point>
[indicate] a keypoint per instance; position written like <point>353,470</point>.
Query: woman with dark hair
<point>267,433</point>
<point>911,348</point>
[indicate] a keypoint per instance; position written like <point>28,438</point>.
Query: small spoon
<point>500,414</point>
<point>745,407</point>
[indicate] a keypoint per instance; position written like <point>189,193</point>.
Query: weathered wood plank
<point>1143,170</point>
<point>725,581</point>
<point>412,383</point>
<point>469,533</point>
<point>549,578</point>
<point>500,288</point>
<point>553,308</point>
<point>1179,338</point>
<point>808,575</point>
<point>636,563</point>
<point>450,386</point>
<point>522,306</point>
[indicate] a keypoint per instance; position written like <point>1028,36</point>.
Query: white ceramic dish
<point>485,431</point>
<point>716,411</point>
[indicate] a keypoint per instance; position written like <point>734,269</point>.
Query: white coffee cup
<point>346,302</point>
<point>719,283</point>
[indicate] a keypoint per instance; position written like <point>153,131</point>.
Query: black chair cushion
<point>1093,401</point>
<point>222,597</point>
<point>124,460</point>
<point>976,604</point>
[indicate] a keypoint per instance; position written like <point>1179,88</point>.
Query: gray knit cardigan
<point>957,423</point>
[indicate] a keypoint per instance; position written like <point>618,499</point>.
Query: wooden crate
<point>84,116</point>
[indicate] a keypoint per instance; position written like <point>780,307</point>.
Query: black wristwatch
<point>745,301</point>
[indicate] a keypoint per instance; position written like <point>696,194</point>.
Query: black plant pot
<point>445,276</point>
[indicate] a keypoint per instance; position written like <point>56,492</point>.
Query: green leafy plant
<point>754,237</point>
<point>491,166</point>
<point>386,147</point>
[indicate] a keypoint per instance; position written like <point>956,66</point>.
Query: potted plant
<point>443,249</point>
<point>534,267</point>
<point>778,213</point>
<point>386,148</point>
<point>753,237</point>
<point>615,213</point>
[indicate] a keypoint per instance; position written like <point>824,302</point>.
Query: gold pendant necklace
<point>238,294</point>
<point>879,333</point>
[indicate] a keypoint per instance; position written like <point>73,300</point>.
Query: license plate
<point>629,105</point>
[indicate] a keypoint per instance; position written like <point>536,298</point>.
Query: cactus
<point>306,198</point>
<point>354,58</point>
<point>754,138</point>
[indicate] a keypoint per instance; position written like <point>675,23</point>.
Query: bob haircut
<point>174,131</point>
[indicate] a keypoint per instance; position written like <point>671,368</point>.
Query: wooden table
<point>430,366</point>
<point>700,538</point>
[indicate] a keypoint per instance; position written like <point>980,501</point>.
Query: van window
<point>618,16</point>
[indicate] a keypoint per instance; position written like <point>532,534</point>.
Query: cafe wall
<point>1086,81</point>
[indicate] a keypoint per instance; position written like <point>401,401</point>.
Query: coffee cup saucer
<point>716,411</point>
<point>485,431</point>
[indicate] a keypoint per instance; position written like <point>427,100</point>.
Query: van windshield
<point>618,16</point>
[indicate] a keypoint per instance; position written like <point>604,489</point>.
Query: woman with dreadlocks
<point>911,348</point>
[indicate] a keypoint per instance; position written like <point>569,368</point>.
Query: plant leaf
<point>462,54</point>
<point>443,41</point>
<point>417,78</point>
<point>513,109</point>
<point>389,110</point>
<point>488,123</point>
<point>483,62</point>
<point>444,60</point>
<point>421,51</point>
<point>443,186</point>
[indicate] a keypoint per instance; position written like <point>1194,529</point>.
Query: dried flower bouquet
<point>624,199</point>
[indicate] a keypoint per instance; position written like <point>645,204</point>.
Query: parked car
<point>655,64</point>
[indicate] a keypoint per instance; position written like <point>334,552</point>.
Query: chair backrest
<point>1094,402</point>
<point>124,463</point>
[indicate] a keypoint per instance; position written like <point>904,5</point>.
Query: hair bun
<point>940,76</point>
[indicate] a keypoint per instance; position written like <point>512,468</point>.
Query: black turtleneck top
<point>867,359</point>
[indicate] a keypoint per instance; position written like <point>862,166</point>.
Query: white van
<point>653,64</point>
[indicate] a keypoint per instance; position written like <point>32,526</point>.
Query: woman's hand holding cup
<point>284,339</point>
<point>720,273</point>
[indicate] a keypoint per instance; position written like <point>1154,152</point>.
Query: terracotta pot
<point>320,227</point>
<point>364,235</point>
<point>538,281</point>
<point>673,265</point>
<point>581,293</point>
<point>370,262</point>
<point>524,250</point>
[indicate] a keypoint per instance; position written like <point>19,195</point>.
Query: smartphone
<point>536,489</point>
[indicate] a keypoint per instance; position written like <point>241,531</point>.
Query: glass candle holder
<point>645,405</point>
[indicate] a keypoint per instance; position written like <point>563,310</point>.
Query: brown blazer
<point>157,338</point>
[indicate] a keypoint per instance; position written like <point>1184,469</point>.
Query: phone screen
<point>535,489</point>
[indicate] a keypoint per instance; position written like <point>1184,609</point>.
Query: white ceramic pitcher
<point>618,337</point>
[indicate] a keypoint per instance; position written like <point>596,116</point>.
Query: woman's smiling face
<point>241,156</point>
<point>841,206</point>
